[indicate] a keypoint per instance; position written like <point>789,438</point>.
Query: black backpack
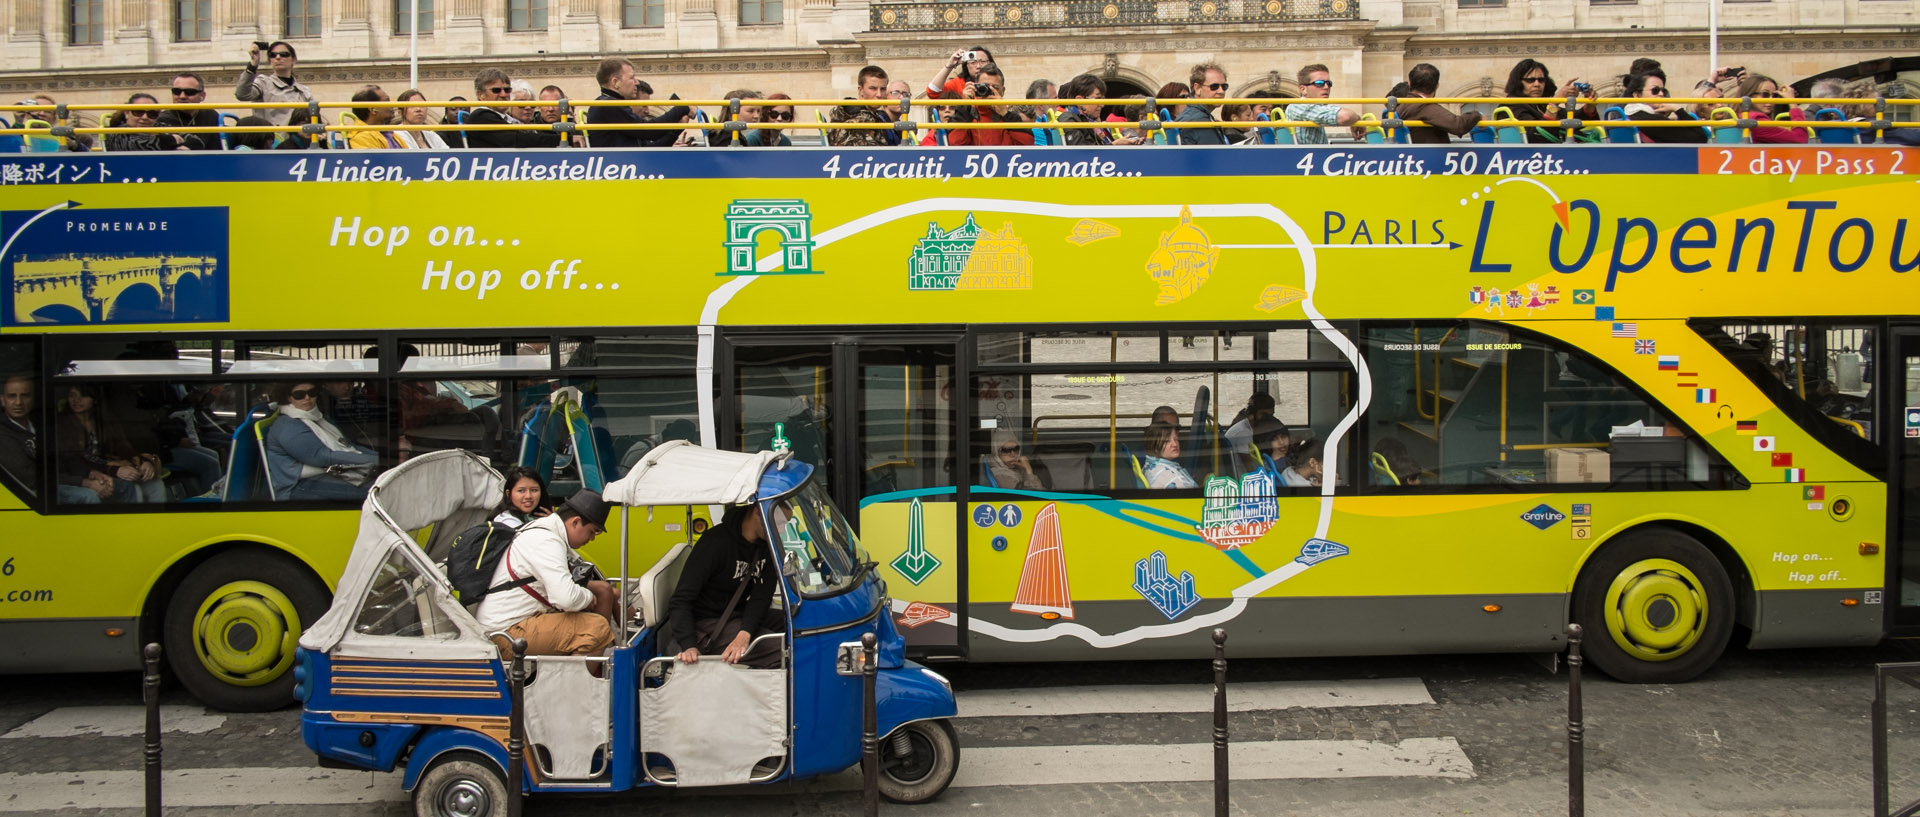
<point>476,555</point>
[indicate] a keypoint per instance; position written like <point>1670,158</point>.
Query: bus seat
<point>247,458</point>
<point>1729,135</point>
<point>1139,474</point>
<point>1370,125</point>
<point>986,473</point>
<point>229,121</point>
<point>534,451</point>
<point>1201,438</point>
<point>1281,136</point>
<point>1835,136</point>
<point>1265,134</point>
<point>1481,134</point>
<point>1382,473</point>
<point>657,584</point>
<point>1507,134</point>
<point>1069,466</point>
<point>37,143</point>
<point>1622,136</point>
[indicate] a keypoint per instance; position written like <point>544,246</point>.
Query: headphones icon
<point>1724,412</point>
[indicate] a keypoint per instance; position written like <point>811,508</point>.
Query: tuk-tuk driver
<point>729,575</point>
<point>555,614</point>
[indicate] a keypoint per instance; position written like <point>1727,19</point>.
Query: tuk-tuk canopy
<point>681,473</point>
<point>449,491</point>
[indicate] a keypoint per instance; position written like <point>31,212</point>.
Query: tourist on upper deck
<point>453,115</point>
<point>946,80</point>
<point>140,119</point>
<point>278,86</point>
<point>992,85</point>
<point>1317,83</point>
<point>78,143</point>
<point>1172,91</point>
<point>761,137</point>
<point>252,141</point>
<point>372,139</point>
<point>1423,82</point>
<point>495,88</point>
<point>524,114</point>
<point>550,115</point>
<point>1094,89</point>
<point>1763,90</point>
<point>1207,81</point>
<point>1530,78</point>
<point>871,85</point>
<point>1161,466</point>
<point>617,81</point>
<point>1652,86</point>
<point>417,115</point>
<point>188,90</point>
<point>1041,88</point>
<point>941,113</point>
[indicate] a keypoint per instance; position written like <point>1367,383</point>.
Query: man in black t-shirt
<point>729,575</point>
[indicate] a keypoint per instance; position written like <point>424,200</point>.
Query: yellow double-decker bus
<point>1083,404</point>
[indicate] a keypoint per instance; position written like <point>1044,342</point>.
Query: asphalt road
<point>1764,733</point>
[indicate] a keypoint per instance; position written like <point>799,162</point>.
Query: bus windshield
<point>819,544</point>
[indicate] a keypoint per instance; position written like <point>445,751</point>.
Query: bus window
<point>998,348</point>
<point>90,357</point>
<point>1828,369</point>
<point>120,442</point>
<point>21,439</point>
<point>280,357</point>
<point>643,351</point>
<point>1473,403</point>
<point>631,415</point>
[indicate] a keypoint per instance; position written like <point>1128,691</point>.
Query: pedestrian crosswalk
<point>1000,747</point>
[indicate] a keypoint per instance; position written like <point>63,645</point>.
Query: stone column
<point>353,31</point>
<point>466,31</point>
<point>698,24</point>
<point>580,26</point>
<point>33,43</point>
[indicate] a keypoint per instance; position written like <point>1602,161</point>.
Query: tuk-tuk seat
<point>566,716</point>
<point>656,585</point>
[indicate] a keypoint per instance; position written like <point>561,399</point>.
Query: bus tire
<point>232,625</point>
<point>926,769</point>
<point>460,784</point>
<point>1656,607</point>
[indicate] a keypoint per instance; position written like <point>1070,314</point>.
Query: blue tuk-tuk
<point>398,672</point>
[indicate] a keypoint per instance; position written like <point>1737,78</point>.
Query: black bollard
<point>1576,729</point>
<point>1220,722</point>
<point>869,726</point>
<point>150,695</point>
<point>517,727</point>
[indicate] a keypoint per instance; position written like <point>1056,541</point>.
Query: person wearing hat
<point>553,613</point>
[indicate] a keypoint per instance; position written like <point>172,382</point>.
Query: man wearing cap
<point>556,615</point>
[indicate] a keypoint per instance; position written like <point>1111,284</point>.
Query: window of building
<point>643,13</point>
<point>86,22</point>
<point>1614,2</point>
<point>1482,4</point>
<point>192,20</point>
<point>303,18</point>
<point>403,14</point>
<point>1461,403</point>
<point>526,15</point>
<point>759,12</point>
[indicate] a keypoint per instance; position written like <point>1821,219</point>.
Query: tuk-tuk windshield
<point>817,541</point>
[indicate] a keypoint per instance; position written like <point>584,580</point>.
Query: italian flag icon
<point>1796,475</point>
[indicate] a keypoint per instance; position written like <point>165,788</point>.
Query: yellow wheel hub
<point>245,633</point>
<point>1656,609</point>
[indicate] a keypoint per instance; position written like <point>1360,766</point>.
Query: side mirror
<point>847,660</point>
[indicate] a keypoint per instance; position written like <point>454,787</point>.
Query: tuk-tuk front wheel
<point>918,761</point>
<point>460,785</point>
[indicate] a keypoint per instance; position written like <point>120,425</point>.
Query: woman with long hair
<point>520,497</point>
<point>1762,89</point>
<point>1162,466</point>
<point>95,453</point>
<point>1530,78</point>
<point>146,118</point>
<point>417,115</point>
<point>307,456</point>
<point>946,80</point>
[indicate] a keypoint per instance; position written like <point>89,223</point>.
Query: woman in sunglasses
<point>1530,78</point>
<point>147,118</point>
<point>1009,467</point>
<point>307,456</point>
<point>276,86</point>
<point>1651,86</point>
<point>1763,90</point>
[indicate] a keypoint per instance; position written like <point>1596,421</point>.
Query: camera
<point>1583,87</point>
<point>982,89</point>
<point>970,56</point>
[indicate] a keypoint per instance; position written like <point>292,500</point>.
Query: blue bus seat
<point>247,458</point>
<point>226,139</point>
<point>1835,136</point>
<point>1481,134</point>
<point>1504,132</point>
<point>1623,136</point>
<point>1727,135</point>
<point>535,452</point>
<point>986,473</point>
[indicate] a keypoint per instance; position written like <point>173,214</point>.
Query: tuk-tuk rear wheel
<point>926,769</point>
<point>460,785</point>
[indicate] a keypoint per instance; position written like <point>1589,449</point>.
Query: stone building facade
<point>102,50</point>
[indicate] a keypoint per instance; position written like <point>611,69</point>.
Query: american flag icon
<point>1643,346</point>
<point>1625,330</point>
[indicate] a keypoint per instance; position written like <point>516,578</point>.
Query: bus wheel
<point>460,784</point>
<point>918,761</point>
<point>231,628</point>
<point>1657,607</point>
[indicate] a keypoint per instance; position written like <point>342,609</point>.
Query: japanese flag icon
<point>1763,443</point>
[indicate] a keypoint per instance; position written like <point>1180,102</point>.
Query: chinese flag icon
<point>1783,459</point>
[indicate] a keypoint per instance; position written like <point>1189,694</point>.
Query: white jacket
<point>540,550</point>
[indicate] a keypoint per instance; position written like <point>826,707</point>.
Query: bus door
<point>876,415</point>
<point>1904,560</point>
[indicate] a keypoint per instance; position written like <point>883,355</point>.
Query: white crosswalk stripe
<point>981,766</point>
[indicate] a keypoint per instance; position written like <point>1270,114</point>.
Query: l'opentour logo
<point>1542,516</point>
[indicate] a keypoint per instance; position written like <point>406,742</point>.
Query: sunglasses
<point>1321,83</point>
<point>779,117</point>
<point>1657,91</point>
<point>504,89</point>
<point>148,114</point>
<point>280,55</point>
<point>1009,449</point>
<point>302,394</point>
<point>1768,94</point>
<point>187,91</point>
<point>1533,80</point>
<point>1217,86</point>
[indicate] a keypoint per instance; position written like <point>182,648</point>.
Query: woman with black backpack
<point>520,499</point>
